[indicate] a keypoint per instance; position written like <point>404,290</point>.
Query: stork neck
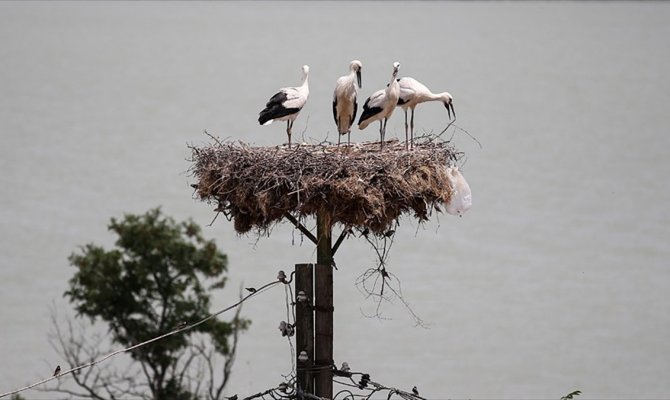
<point>434,96</point>
<point>430,96</point>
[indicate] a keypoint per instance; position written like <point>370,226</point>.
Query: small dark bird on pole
<point>343,371</point>
<point>281,276</point>
<point>57,371</point>
<point>250,290</point>
<point>415,391</point>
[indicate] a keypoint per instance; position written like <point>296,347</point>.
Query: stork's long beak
<point>450,109</point>
<point>358,78</point>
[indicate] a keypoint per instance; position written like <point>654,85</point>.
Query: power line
<point>363,386</point>
<point>280,279</point>
<point>362,389</point>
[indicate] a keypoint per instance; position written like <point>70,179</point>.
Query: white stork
<point>345,106</point>
<point>413,92</point>
<point>286,104</point>
<point>381,104</point>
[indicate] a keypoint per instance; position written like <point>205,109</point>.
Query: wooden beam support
<point>339,241</point>
<point>302,228</point>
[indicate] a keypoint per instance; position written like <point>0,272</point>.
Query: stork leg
<point>381,134</point>
<point>406,137</point>
<point>338,138</point>
<point>349,137</point>
<point>411,130</point>
<point>289,125</point>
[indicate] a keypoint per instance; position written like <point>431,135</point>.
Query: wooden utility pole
<point>316,172</point>
<point>314,315</point>
<point>323,354</point>
<point>304,321</point>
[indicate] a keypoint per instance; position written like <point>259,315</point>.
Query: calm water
<point>557,279</point>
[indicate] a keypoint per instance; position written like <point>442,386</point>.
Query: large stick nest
<point>358,186</point>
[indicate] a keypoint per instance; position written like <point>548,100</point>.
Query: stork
<point>412,93</point>
<point>381,104</point>
<point>286,104</point>
<point>344,100</point>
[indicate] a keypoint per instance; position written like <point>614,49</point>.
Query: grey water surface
<point>558,277</point>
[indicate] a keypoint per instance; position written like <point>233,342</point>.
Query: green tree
<point>156,278</point>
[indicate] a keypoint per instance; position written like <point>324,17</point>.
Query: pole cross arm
<point>339,240</point>
<point>302,228</point>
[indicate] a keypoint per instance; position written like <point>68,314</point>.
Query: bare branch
<point>81,366</point>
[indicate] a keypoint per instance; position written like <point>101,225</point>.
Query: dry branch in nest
<point>358,186</point>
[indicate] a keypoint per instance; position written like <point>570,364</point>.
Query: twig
<point>452,122</point>
<point>213,137</point>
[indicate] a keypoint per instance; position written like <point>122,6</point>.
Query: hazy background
<point>557,279</point>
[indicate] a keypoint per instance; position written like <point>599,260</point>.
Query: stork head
<point>448,101</point>
<point>305,70</point>
<point>396,67</point>
<point>356,67</point>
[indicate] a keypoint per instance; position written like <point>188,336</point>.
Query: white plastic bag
<point>461,196</point>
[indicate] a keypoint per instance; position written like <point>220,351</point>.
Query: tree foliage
<point>156,278</point>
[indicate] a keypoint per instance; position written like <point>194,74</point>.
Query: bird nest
<point>358,186</point>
